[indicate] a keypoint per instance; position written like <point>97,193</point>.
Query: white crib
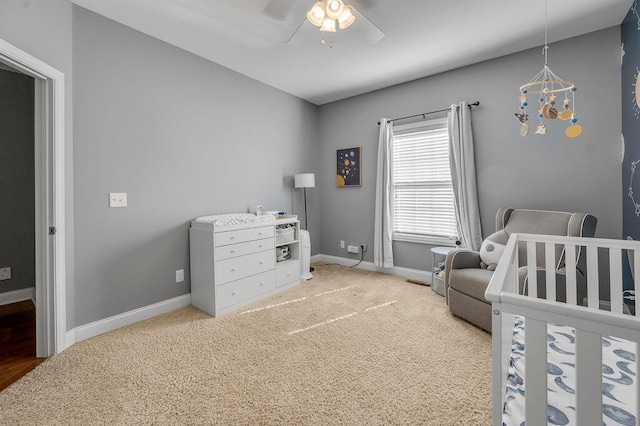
<point>585,325</point>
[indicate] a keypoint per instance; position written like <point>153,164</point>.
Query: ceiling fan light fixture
<point>316,14</point>
<point>347,18</point>
<point>335,8</point>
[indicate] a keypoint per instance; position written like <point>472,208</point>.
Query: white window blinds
<point>423,193</point>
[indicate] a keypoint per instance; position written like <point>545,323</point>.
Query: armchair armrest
<point>459,259</point>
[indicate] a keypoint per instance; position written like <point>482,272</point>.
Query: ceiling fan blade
<point>301,33</point>
<point>372,33</point>
<point>278,9</point>
<point>365,4</point>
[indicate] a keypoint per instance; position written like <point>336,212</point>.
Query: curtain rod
<point>476,103</point>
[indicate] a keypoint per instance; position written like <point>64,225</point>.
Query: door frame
<point>50,285</point>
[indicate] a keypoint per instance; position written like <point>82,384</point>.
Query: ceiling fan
<point>328,15</point>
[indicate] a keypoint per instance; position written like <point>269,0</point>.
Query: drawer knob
<point>234,293</point>
<point>261,245</point>
<point>233,237</point>
<point>233,269</point>
<point>259,233</point>
<point>233,251</point>
<point>261,262</point>
<point>260,285</point>
<point>289,274</point>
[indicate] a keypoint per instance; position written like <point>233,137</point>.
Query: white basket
<point>284,235</point>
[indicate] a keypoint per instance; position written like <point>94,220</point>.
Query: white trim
<point>425,239</point>
<point>69,338</point>
<point>419,124</point>
<point>17,296</point>
<point>50,290</point>
<point>412,274</point>
<point>42,264</point>
<point>127,318</point>
<point>59,218</point>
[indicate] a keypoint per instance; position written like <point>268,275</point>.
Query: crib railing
<point>514,290</point>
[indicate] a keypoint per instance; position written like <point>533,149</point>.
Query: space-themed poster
<point>349,172</point>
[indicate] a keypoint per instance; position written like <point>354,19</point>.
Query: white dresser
<point>234,263</point>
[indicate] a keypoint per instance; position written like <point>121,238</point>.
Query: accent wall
<point>630,35</point>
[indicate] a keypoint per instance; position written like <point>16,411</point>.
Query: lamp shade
<point>316,14</point>
<point>346,19</point>
<point>334,9</point>
<point>305,180</point>
<point>328,25</point>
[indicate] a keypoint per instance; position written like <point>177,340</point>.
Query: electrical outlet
<point>363,247</point>
<point>117,199</point>
<point>342,244</point>
<point>353,249</point>
<point>5,273</point>
<point>179,275</point>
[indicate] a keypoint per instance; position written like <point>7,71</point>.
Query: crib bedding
<point>618,387</point>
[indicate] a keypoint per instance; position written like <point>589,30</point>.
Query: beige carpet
<point>351,347</point>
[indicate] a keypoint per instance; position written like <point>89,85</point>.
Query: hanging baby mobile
<point>546,86</point>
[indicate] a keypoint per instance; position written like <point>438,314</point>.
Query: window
<point>423,193</point>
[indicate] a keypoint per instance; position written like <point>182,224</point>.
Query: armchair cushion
<point>471,281</point>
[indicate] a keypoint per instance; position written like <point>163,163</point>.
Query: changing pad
<point>234,219</point>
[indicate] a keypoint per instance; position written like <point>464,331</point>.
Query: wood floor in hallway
<point>17,342</point>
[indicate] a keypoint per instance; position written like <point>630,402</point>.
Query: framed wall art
<point>349,170</point>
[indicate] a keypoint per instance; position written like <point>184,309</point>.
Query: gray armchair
<point>466,282</point>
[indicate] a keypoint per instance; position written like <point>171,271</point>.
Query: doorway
<point>49,135</point>
<point>17,226</point>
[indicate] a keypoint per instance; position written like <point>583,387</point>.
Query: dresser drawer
<point>243,266</point>
<point>235,250</point>
<point>241,290</point>
<point>242,235</point>
<point>287,273</point>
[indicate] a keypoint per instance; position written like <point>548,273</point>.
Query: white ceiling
<point>423,37</point>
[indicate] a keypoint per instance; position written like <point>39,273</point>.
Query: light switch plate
<point>179,275</point>
<point>117,199</point>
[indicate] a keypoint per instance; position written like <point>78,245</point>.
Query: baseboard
<point>412,274</point>
<point>17,296</point>
<point>127,318</point>
<point>69,338</point>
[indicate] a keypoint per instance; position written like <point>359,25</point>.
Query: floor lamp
<point>304,181</point>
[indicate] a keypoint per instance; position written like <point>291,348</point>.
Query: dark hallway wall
<point>17,191</point>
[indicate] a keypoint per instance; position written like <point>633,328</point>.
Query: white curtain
<point>383,233</point>
<point>463,175</point>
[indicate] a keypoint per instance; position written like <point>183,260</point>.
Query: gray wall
<point>184,137</point>
<point>17,185</point>
<point>550,172</point>
<point>43,29</point>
